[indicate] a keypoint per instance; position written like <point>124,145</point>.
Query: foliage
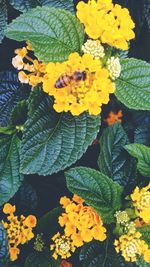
<point>98,190</point>
<point>59,30</point>
<point>43,259</point>
<point>63,138</point>
<point>142,153</point>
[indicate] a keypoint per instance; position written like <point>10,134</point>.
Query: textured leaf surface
<point>52,141</point>
<point>141,134</point>
<point>96,189</point>
<point>113,159</point>
<point>10,179</point>
<point>133,85</point>
<point>142,154</point>
<point>48,224</point>
<point>3,18</point>
<point>54,33</point>
<point>97,254</point>
<point>4,251</point>
<point>11,91</point>
<point>43,259</point>
<point>145,231</point>
<point>25,5</point>
<point>19,113</point>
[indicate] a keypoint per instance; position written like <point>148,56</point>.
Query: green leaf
<point>19,113</point>
<point>10,178</point>
<point>4,251</point>
<point>7,130</point>
<point>145,231</point>
<point>25,5</point>
<point>113,159</point>
<point>53,141</point>
<point>97,254</point>
<point>63,4</point>
<point>141,263</point>
<point>42,259</point>
<point>96,189</point>
<point>48,224</point>
<point>133,84</point>
<point>141,134</point>
<point>55,35</point>
<point>11,92</point>
<point>142,154</point>
<point>3,19</point>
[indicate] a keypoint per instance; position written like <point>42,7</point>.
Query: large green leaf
<point>145,231</point>
<point>54,33</point>
<point>48,224</point>
<point>4,251</point>
<point>3,18</point>
<point>42,259</point>
<point>10,178</point>
<point>113,160</point>
<point>52,141</point>
<point>97,254</point>
<point>96,189</point>
<point>11,91</point>
<point>25,5</point>
<point>134,83</point>
<point>142,154</point>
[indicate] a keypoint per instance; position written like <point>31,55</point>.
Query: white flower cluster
<point>94,48</point>
<point>121,217</point>
<point>114,67</point>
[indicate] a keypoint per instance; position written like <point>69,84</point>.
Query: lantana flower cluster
<point>77,97</point>
<point>130,244</point>
<point>81,224</point>
<point>19,229</point>
<point>109,23</point>
<point>141,202</point>
<point>31,71</point>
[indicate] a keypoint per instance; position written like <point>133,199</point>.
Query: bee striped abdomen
<point>63,81</point>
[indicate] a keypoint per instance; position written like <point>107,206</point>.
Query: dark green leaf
<point>133,84</point>
<point>96,189</point>
<point>52,141</point>
<point>10,178</point>
<point>42,259</point>
<point>97,254</point>
<point>4,251</point>
<point>11,91</point>
<point>48,224</point>
<point>18,115</point>
<point>3,18</point>
<point>55,35</point>
<point>141,263</point>
<point>63,4</point>
<point>142,154</point>
<point>147,12</point>
<point>25,5</point>
<point>113,159</point>
<point>142,134</point>
<point>145,231</point>
<point>7,130</point>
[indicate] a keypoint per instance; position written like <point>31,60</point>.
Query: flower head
<point>141,202</point>
<point>74,94</point>
<point>122,217</point>
<point>62,246</point>
<point>114,67</point>
<point>131,246</point>
<point>109,23</point>
<point>19,230</point>
<point>94,48</point>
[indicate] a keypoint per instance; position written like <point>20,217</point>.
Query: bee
<point>65,80</point>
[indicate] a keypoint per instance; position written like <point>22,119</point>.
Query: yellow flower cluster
<point>19,230</point>
<point>63,246</point>
<point>141,202</point>
<point>131,246</point>
<point>81,224</point>
<point>78,95</point>
<point>109,23</point>
<point>32,71</point>
<point>94,48</point>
